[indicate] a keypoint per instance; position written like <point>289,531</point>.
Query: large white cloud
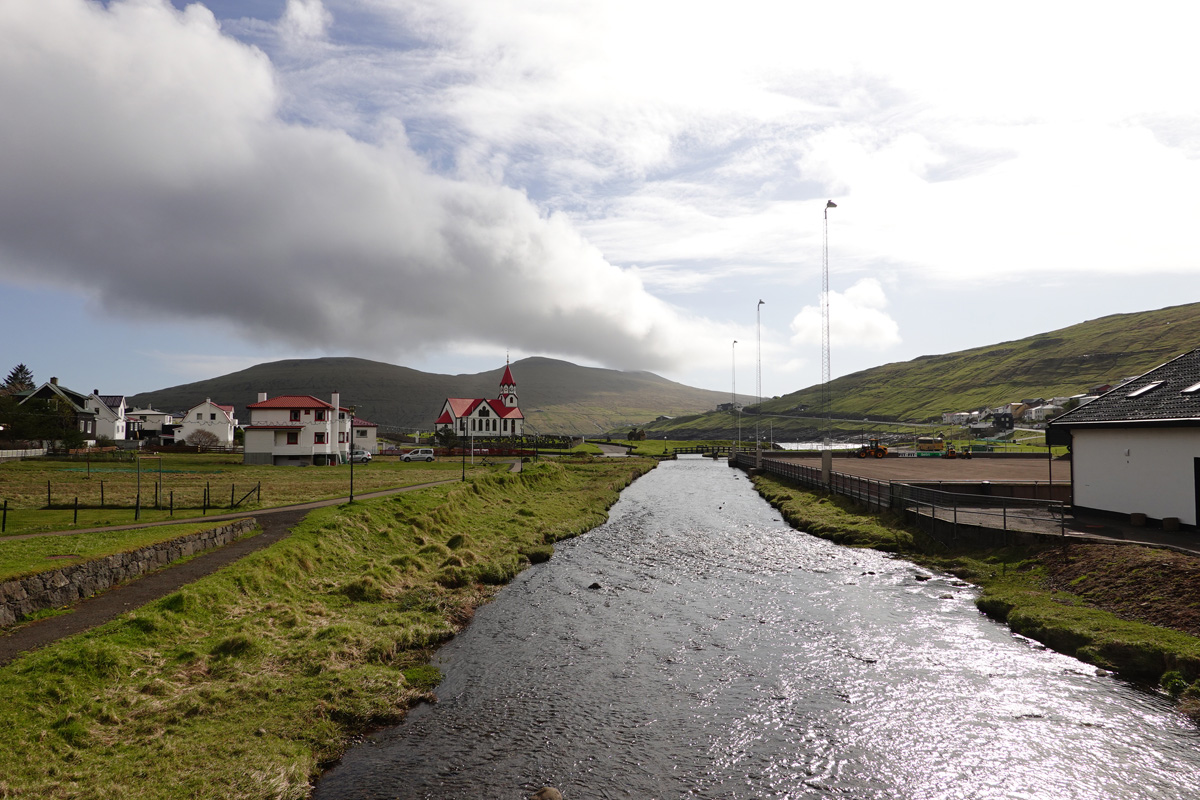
<point>145,160</point>
<point>857,318</point>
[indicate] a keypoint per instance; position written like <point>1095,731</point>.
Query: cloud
<point>857,318</point>
<point>145,159</point>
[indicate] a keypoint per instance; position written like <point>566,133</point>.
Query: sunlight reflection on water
<point>727,656</point>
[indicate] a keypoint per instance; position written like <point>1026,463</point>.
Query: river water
<point>726,655</point>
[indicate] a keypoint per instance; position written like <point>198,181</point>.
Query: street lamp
<point>350,449</point>
<point>736,410</point>
<point>758,386</point>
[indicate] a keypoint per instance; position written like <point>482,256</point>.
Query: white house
<point>208,416</point>
<point>1136,448</point>
<point>298,429</point>
<point>111,416</point>
<point>470,417</point>
<point>365,436</point>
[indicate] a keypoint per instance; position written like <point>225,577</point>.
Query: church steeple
<point>508,388</point>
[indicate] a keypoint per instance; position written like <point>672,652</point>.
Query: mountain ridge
<point>556,396</point>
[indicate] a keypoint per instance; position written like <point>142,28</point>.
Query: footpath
<point>276,524</point>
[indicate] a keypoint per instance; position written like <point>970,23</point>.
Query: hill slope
<point>556,396</point>
<point>1060,363</point>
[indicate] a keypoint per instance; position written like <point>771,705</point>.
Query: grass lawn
<point>107,492</point>
<point>246,682</point>
<point>23,557</point>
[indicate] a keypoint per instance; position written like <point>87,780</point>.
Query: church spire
<point>508,387</point>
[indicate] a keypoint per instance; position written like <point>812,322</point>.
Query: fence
<point>949,517</point>
<point>151,496</point>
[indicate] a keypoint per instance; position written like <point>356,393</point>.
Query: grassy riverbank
<point>1128,609</point>
<point>245,683</point>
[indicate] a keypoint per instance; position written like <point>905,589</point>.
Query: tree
<point>203,440</point>
<point>445,437</point>
<point>19,379</point>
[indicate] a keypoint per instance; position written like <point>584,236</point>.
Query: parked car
<point>360,457</point>
<point>420,454</point>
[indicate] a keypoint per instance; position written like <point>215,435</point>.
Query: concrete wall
<point>1148,471</point>
<point>21,597</point>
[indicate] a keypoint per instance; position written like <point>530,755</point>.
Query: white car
<point>420,454</point>
<point>360,457</point>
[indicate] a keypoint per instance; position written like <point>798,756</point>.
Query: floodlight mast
<point>828,444</point>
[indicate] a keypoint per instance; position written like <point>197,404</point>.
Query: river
<point>725,655</point>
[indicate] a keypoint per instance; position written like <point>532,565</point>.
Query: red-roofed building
<point>216,418</point>
<point>302,429</point>
<point>501,417</point>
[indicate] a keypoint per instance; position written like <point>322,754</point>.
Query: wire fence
<point>943,514</point>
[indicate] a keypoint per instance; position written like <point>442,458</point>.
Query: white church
<point>469,417</point>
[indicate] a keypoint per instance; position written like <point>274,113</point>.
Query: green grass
<point>185,477</point>
<point>23,557</point>
<point>1014,592</point>
<point>246,682</point>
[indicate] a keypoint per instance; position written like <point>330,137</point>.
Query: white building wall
<point>1137,471</point>
<point>222,427</point>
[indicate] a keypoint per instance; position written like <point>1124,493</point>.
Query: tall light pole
<point>825,331</point>
<point>350,449</point>
<point>736,410</point>
<point>758,385</point>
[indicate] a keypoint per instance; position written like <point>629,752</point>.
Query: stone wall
<point>61,587</point>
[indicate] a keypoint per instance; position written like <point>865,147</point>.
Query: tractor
<point>875,448</point>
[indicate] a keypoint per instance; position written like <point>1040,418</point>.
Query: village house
<point>302,429</point>
<point>1136,448</point>
<point>150,423</point>
<point>215,418</point>
<point>498,418</point>
<point>111,417</point>
<point>77,403</point>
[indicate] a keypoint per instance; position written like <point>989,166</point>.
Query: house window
<point>295,415</point>
<point>212,417</point>
<point>318,438</point>
<point>320,415</point>
<point>199,416</point>
<point>1149,387</point>
<point>293,437</point>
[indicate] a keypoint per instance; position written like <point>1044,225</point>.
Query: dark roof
<point>1168,395</point>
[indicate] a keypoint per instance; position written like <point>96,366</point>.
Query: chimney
<point>262,397</point>
<point>337,401</point>
<point>54,381</point>
<point>96,392</point>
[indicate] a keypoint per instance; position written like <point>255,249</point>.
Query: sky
<point>187,190</point>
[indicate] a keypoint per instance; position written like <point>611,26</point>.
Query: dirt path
<point>276,524</point>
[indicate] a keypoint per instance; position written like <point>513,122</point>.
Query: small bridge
<point>713,450</point>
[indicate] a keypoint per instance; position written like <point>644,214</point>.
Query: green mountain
<point>556,396</point>
<point>1061,363</point>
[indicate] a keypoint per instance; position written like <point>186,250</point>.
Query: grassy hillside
<point>556,396</point>
<point>1061,363</point>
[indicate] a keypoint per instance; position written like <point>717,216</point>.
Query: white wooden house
<point>1136,448</point>
<point>215,418</point>
<point>111,415</point>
